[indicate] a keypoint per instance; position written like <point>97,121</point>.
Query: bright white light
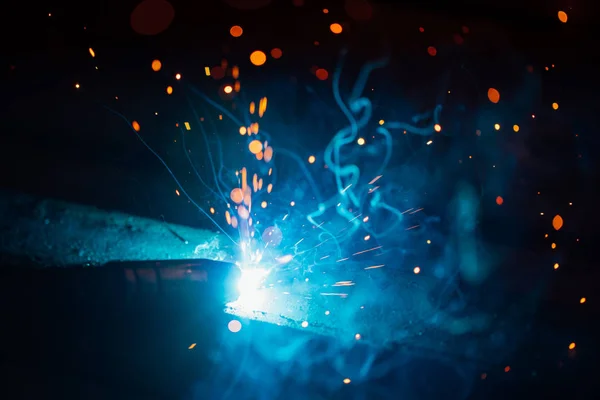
<point>251,280</point>
<point>251,294</point>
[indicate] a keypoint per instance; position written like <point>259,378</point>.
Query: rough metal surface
<point>55,233</point>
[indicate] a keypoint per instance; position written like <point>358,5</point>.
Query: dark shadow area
<point>79,333</point>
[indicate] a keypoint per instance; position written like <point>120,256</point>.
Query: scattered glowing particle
<point>258,58</point>
<point>243,212</point>
<point>77,86</point>
<point>417,270</point>
<point>187,126</point>
<point>499,200</point>
<point>346,381</point>
<point>516,128</point>
<point>207,71</point>
<point>136,126</point>
<point>381,122</point>
<point>572,346</point>
<point>242,130</point>
<point>421,29</point>
<point>304,324</point>
<point>228,89</point>
<point>237,195</point>
<point>234,325</point>
<point>236,31</point>
<point>555,106</point>
<point>192,346</point>
<point>169,90</point>
<point>553,245</point>
<point>429,142</point>
<point>335,28</point>
<point>92,52</point>
<point>367,237</point>
<point>311,159</point>
<point>255,146</point>
<point>432,51</point>
<point>156,65</point>
<point>493,95</point>
<point>262,107</point>
<point>268,154</point>
<point>322,74</point>
<point>557,222</point>
<point>497,127</point>
<point>437,128</point>
<point>276,53</point>
<point>360,141</point>
<point>357,336</point>
<point>562,17</point>
<point>178,76</point>
<point>325,11</point>
<point>556,265</point>
<point>428,241</point>
<point>327,312</point>
<point>235,72</point>
<point>582,300</point>
<point>507,368</point>
<point>212,210</point>
<point>263,204</point>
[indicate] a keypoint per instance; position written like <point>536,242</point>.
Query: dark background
<point>62,143</point>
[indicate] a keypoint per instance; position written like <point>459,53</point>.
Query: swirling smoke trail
<point>270,236</point>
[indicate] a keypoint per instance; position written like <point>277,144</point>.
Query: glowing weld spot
<point>250,288</point>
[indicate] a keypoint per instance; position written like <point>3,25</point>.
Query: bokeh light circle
<point>156,65</point>
<point>562,17</point>
<point>258,58</point>
<point>255,146</point>
<point>236,31</point>
<point>276,53</point>
<point>234,326</point>
<point>272,235</point>
<point>217,72</point>
<point>322,74</point>
<point>493,95</point>
<point>335,28</point>
<point>152,17</point>
<point>359,10</point>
